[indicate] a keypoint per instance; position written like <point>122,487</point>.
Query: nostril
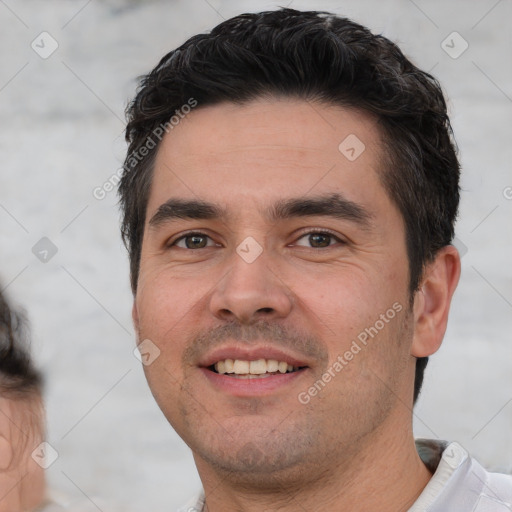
<point>265,310</point>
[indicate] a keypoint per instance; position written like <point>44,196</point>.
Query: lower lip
<point>251,387</point>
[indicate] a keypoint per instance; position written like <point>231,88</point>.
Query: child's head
<point>22,482</point>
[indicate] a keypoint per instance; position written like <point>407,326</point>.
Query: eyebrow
<point>332,205</point>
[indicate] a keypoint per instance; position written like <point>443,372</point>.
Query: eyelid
<point>181,236</point>
<point>309,231</point>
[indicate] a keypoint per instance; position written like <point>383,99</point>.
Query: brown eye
<point>317,240</point>
<point>320,240</point>
<point>193,241</point>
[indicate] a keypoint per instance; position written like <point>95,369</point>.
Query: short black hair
<point>315,56</point>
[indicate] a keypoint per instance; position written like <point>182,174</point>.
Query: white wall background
<point>61,136</point>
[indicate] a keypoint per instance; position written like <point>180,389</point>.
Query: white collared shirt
<point>460,483</point>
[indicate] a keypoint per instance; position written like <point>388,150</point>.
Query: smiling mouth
<point>260,368</point>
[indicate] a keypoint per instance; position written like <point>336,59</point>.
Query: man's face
<point>270,280</point>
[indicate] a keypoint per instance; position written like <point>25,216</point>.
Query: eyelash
<point>302,235</point>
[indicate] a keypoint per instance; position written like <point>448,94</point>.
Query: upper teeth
<point>258,367</point>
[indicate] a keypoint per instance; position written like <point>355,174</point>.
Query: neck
<point>384,473</point>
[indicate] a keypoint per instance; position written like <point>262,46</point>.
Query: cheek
<point>355,305</point>
<point>339,301</point>
<point>168,310</point>
<point>165,304</point>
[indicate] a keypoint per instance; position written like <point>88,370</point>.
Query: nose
<point>251,291</point>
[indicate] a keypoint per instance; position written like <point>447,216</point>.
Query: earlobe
<point>432,301</point>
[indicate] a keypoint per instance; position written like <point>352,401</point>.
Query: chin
<point>248,452</point>
<point>251,464</point>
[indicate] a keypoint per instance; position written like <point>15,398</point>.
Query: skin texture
<point>351,446</point>
<point>22,482</point>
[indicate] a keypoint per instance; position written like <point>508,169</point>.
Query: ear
<point>432,301</point>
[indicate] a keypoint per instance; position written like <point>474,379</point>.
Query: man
<point>289,198</point>
<point>22,482</point>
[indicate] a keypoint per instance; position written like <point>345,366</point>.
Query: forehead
<point>268,149</point>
